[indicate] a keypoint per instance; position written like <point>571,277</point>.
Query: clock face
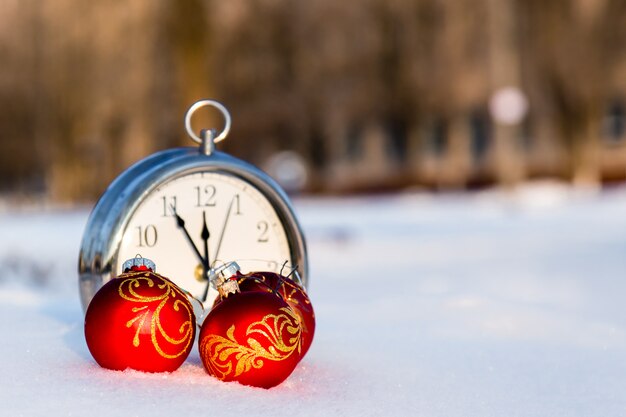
<point>241,226</point>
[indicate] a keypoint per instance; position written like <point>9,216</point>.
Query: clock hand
<point>205,262</point>
<point>219,246</point>
<point>181,225</point>
<point>219,242</point>
<point>205,235</point>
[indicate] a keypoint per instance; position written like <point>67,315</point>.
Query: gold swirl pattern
<point>290,296</point>
<point>128,291</point>
<point>217,350</point>
<point>290,292</point>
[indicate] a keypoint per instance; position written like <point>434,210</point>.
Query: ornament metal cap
<point>138,263</point>
<point>224,281</point>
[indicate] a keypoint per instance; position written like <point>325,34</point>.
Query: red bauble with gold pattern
<point>253,338</point>
<point>140,320</point>
<point>291,292</point>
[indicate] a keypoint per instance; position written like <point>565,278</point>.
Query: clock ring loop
<point>204,103</point>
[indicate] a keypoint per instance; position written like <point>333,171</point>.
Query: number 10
<point>147,236</point>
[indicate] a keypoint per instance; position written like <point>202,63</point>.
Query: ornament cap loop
<point>138,263</point>
<point>225,279</point>
<point>230,269</point>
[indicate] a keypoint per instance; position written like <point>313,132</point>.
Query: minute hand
<point>205,235</point>
<point>219,242</point>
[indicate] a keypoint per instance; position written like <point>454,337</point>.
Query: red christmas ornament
<point>140,320</point>
<point>291,292</point>
<point>253,338</point>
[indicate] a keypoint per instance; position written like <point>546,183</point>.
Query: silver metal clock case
<point>98,258</point>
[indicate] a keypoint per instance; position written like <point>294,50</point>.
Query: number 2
<point>263,227</point>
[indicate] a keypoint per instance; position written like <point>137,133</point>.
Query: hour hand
<point>181,225</point>
<point>205,235</point>
<point>206,263</point>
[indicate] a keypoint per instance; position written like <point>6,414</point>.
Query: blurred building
<point>365,95</point>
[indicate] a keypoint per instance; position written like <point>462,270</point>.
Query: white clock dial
<point>242,226</point>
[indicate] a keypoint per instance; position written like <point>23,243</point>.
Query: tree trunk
<point>508,157</point>
<point>585,162</point>
<point>458,158</point>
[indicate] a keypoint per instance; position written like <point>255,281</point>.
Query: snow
<point>501,303</point>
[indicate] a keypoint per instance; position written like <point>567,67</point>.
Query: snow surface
<point>490,304</point>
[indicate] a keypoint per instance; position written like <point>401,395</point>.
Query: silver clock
<point>191,210</point>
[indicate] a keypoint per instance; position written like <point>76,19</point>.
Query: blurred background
<point>328,96</point>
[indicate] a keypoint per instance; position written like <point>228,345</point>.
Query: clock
<point>191,210</point>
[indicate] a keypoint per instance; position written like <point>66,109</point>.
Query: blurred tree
<point>505,74</point>
<point>185,46</point>
<point>20,168</point>
<point>451,82</point>
<point>93,93</point>
<point>575,47</point>
<point>95,87</point>
<point>252,63</point>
